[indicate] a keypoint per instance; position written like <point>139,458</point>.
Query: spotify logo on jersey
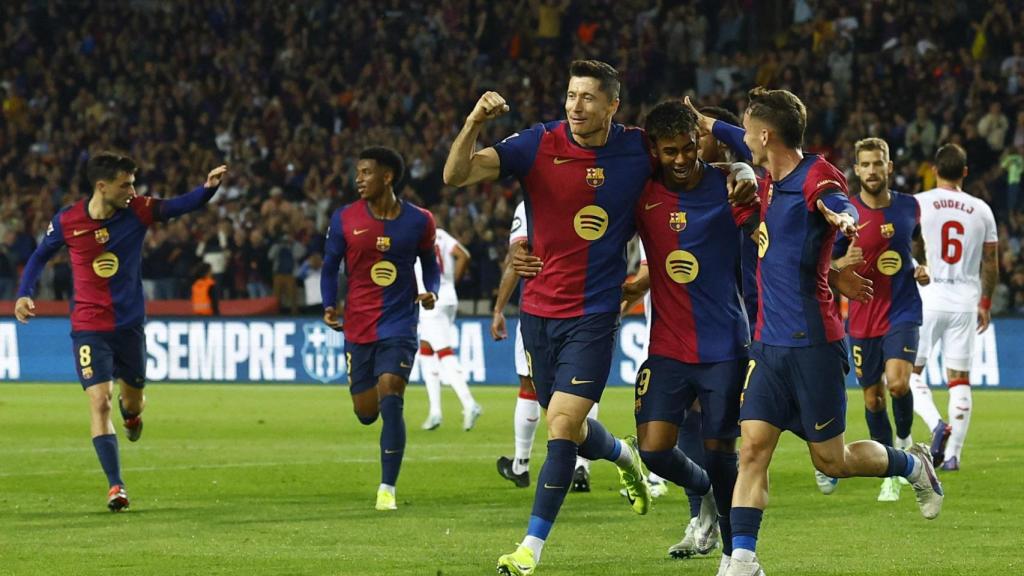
<point>889,262</point>
<point>105,265</point>
<point>682,266</point>
<point>590,222</point>
<point>383,273</point>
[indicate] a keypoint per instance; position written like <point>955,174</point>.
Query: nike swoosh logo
<point>909,350</point>
<point>655,205</point>
<point>532,419</point>
<point>822,426</point>
<point>576,381</point>
<point>404,365</point>
<point>559,161</point>
<point>392,451</point>
<point>78,232</point>
<point>546,485</point>
<point>357,231</point>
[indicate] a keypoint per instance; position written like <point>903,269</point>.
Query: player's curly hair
<point>388,158</point>
<point>106,166</point>
<point>783,111</point>
<point>668,119</point>
<point>607,76</point>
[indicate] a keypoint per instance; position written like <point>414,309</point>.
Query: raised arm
<point>174,207</point>
<point>465,166</point>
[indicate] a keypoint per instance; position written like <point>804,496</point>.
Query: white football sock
<point>924,404</point>
<point>527,417</point>
<point>451,374</point>
<point>960,405</point>
<point>432,382</point>
<point>535,544</point>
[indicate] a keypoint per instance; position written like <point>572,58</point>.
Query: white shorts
<point>956,330</point>
<point>522,368</point>
<point>436,326</point>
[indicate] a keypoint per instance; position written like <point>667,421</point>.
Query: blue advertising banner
<point>303,350</point>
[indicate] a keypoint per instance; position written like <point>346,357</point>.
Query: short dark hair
<point>950,161</point>
<point>783,111</point>
<point>869,144</point>
<point>607,76</point>
<point>106,166</point>
<point>388,158</point>
<point>719,113</point>
<point>668,119</point>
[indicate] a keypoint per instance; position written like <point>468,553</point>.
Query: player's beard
<point>877,191</point>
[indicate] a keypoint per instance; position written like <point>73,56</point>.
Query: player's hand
<point>427,300</point>
<point>24,309</point>
<point>214,178</point>
<point>498,331</point>
<point>490,106</point>
<point>704,122</point>
<point>984,319</point>
<point>921,275</point>
<point>741,192</point>
<point>854,257</point>
<point>631,292</point>
<point>526,264</point>
<point>852,285</point>
<point>331,319</point>
<point>840,220</point>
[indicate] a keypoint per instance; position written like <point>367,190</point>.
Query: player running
<point>796,376</point>
<point>581,178</point>
<point>961,241</point>
<point>527,412</point>
<point>884,331</point>
<point>379,237</point>
<point>104,235</point>
<point>699,331</point>
<point>438,362</point>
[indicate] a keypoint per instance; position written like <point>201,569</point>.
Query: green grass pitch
<point>281,480</point>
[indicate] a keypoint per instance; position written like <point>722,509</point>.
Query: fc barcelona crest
<point>383,243</point>
<point>888,229</point>
<point>102,236</point>
<point>595,176</point>
<point>677,221</point>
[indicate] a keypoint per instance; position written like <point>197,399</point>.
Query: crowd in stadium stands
<point>288,93</point>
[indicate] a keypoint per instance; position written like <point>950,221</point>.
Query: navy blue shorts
<point>871,354</point>
<point>666,387</point>
<point>366,362</point>
<point>103,356</point>
<point>570,355</point>
<point>802,390</point>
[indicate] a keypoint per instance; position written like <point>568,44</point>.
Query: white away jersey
<point>444,249</point>
<point>955,226</point>
<point>518,231</point>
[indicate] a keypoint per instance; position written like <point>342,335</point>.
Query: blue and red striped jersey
<point>795,304</point>
<point>886,236</point>
<point>379,257</point>
<point>106,263</point>
<point>692,241</point>
<point>579,205</point>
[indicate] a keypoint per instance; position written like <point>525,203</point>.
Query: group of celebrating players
<point>745,334</point>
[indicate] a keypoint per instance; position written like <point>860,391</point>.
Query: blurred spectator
<point>309,273</point>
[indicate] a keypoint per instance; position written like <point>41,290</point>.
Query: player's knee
<point>874,403</point>
<point>367,419</point>
<point>830,464</point>
<point>562,426</point>
<point>727,445</point>
<point>899,387</point>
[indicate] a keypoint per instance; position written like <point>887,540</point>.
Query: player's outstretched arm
<point>731,136</point>
<point>174,207</point>
<point>839,212</point>
<point>465,166</point>
<point>509,279</point>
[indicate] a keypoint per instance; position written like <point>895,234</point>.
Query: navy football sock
<point>552,485</point>
<point>599,443</point>
<point>903,414</point>
<point>692,444</point>
<point>900,463</point>
<point>722,470</point>
<point>125,414</point>
<point>746,523</point>
<point>392,438</point>
<point>878,426</point>
<point>106,449</point>
<point>673,465</point>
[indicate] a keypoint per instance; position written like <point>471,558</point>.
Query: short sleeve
<point>429,237</point>
<point>517,152</point>
<point>643,254</point>
<point>991,232</point>
<point>823,178</point>
<point>146,209</point>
